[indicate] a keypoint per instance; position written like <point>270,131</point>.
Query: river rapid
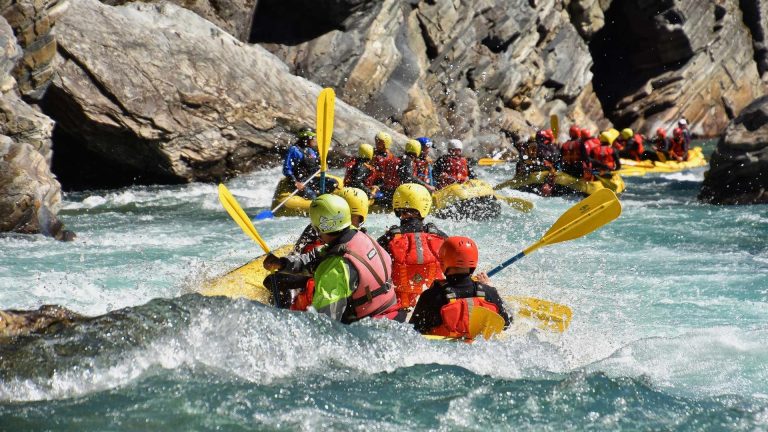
<point>670,325</point>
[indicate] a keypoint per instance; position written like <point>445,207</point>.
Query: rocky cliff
<point>738,172</point>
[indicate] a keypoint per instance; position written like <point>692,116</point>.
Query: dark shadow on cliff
<point>637,44</point>
<point>291,22</point>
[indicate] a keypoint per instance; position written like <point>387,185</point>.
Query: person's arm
<point>617,158</point>
<point>426,314</point>
<point>301,263</point>
<point>333,286</point>
<point>291,159</point>
<point>384,240</point>
<point>308,236</point>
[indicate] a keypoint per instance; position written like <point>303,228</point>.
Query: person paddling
<point>661,144</point>
<point>574,154</point>
<point>352,273</point>
<point>678,146</point>
<point>295,291</point>
<point>411,169</point>
<point>605,158</point>
<point>452,167</point>
<point>444,308</point>
<point>302,162</point>
<point>425,162</point>
<point>413,244</point>
<point>360,172</point>
<point>385,163</point>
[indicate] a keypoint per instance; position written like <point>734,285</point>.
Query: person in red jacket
<point>634,148</point>
<point>547,150</point>
<point>385,163</point>
<point>605,158</point>
<point>444,308</point>
<point>452,167</point>
<point>574,154</point>
<point>360,172</point>
<point>661,144</point>
<point>413,169</point>
<point>678,146</point>
<point>413,245</point>
<point>590,142</point>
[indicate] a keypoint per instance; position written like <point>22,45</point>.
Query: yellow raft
<point>565,184</point>
<point>630,167</point>
<point>474,199</point>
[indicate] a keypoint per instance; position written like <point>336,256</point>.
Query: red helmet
<point>545,136</point>
<point>574,132</point>
<point>586,133</point>
<point>661,132</point>
<point>458,252</point>
<point>677,132</point>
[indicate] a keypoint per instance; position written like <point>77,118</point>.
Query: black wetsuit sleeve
<point>426,314</point>
<point>305,263</point>
<point>492,296</point>
<point>618,160</point>
<point>308,236</point>
<point>384,240</point>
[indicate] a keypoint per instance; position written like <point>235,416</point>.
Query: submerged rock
<point>738,171</point>
<point>46,319</point>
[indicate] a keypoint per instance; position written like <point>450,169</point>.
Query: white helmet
<point>455,144</point>
<point>683,122</point>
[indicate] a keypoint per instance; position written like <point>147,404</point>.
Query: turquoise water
<point>670,325</point>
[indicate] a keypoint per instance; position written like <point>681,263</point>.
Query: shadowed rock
<point>46,319</point>
<point>738,172</point>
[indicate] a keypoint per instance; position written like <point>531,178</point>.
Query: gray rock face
<point>738,172</point>
<point>660,61</point>
<point>451,69</point>
<point>29,193</point>
<point>184,100</point>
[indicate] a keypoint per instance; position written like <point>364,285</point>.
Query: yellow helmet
<point>329,213</point>
<point>356,199</point>
<point>412,196</point>
<point>385,138</point>
<point>365,151</point>
<point>627,133</point>
<point>606,137</point>
<point>413,146</point>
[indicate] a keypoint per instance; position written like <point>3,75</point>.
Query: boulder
<point>738,172</point>
<point>47,319</point>
<point>182,101</point>
<point>30,195</point>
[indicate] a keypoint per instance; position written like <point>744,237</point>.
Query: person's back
<point>444,308</point>
<point>573,154</point>
<point>413,245</point>
<point>605,157</point>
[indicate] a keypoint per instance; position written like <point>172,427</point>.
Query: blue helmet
<point>425,142</point>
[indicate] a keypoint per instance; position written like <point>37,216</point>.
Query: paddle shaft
<point>297,190</point>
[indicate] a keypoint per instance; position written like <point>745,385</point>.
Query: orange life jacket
<point>456,169</point>
<point>619,144</point>
<point>386,169</point>
<point>414,264</point>
<point>421,170</point>
<point>677,147</point>
<point>635,147</point>
<point>455,314</point>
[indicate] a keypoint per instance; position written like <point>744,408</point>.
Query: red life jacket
<point>635,147</point>
<point>414,264</point>
<point>456,170</point>
<point>374,296</point>
<point>455,314</point>
<point>605,155</point>
<point>303,300</point>
<point>677,147</point>
<point>591,144</point>
<point>619,144</point>
<point>571,152</point>
<point>386,169</point>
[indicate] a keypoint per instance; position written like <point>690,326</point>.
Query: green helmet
<point>329,213</point>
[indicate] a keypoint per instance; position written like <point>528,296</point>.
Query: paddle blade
<point>265,214</point>
<point>586,216</point>
<point>554,123</point>
<point>484,322</point>
<point>545,314</point>
<point>518,204</point>
<point>490,162</point>
<point>232,207</point>
<point>325,106</point>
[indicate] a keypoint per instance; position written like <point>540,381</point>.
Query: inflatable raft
<point>639,168</point>
<point>474,200</point>
<point>564,184</point>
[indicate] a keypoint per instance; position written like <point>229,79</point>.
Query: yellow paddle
<point>519,204</point>
<point>325,107</point>
<point>490,162</point>
<point>554,123</point>
<point>484,322</point>
<point>548,315</point>
<point>232,207</point>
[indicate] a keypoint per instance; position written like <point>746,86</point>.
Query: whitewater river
<point>670,327</point>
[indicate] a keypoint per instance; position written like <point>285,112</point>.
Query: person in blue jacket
<point>302,164</point>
